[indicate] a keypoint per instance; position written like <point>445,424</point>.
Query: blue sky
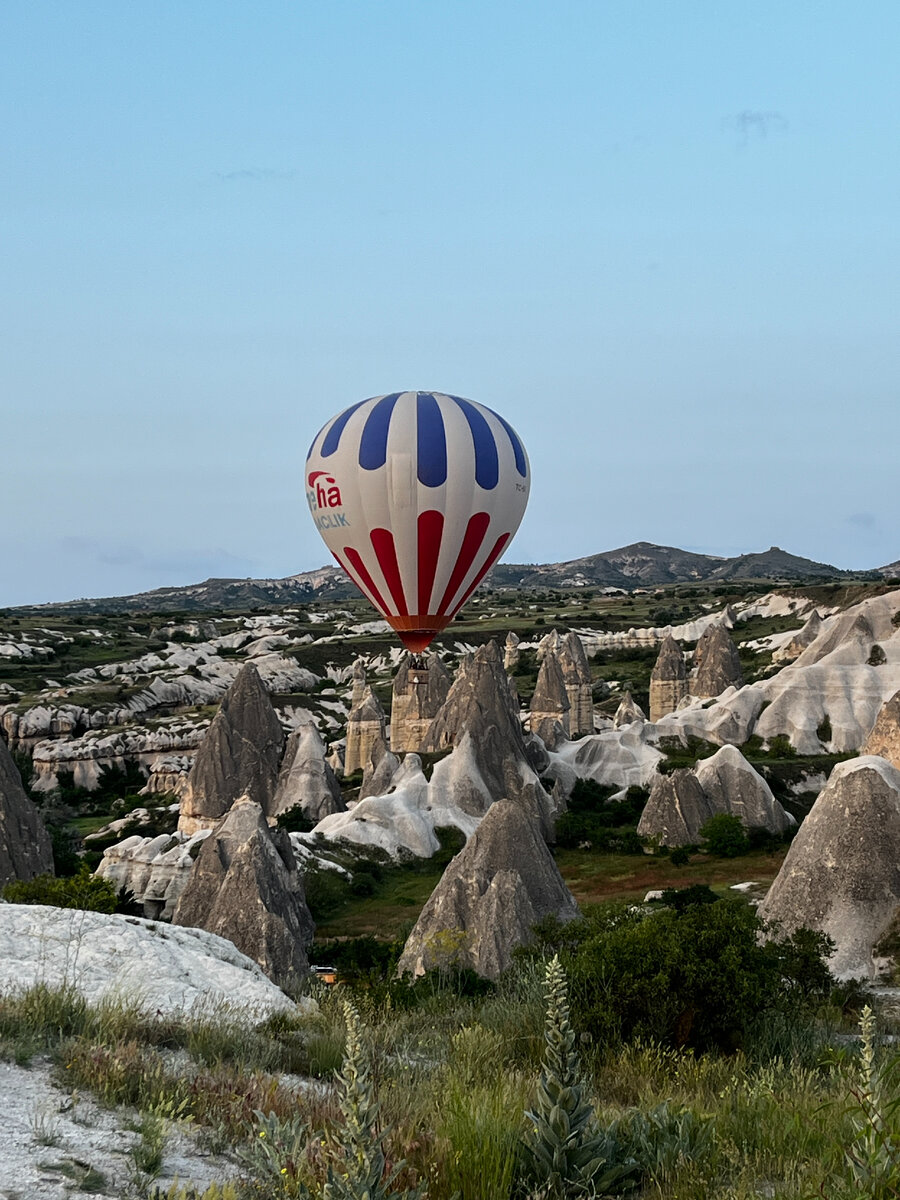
<point>661,239</point>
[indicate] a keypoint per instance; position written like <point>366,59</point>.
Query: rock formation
<point>239,756</point>
<point>365,725</point>
<point>306,781</point>
<point>628,712</point>
<point>358,682</point>
<point>155,870</point>
<point>480,720</point>
<point>418,695</point>
<point>245,887</point>
<point>804,637</point>
<point>495,890</point>
<point>668,680</point>
<point>511,651</point>
<point>842,872</point>
<point>717,663</point>
<point>677,810</point>
<point>25,849</point>
<point>884,739</point>
<point>379,770</point>
<point>577,675</point>
<point>733,786</point>
<point>550,703</point>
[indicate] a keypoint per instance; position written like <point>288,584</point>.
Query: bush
<point>84,890</point>
<point>697,978</point>
<point>725,836</point>
<point>877,656</point>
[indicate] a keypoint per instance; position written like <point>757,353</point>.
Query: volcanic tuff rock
<point>358,682</point>
<point>240,755</point>
<point>842,872</point>
<point>379,770</point>
<point>577,675</point>
<point>550,703</point>
<point>495,890</point>
<point>418,694</point>
<point>365,725</point>
<point>245,887</point>
<point>717,662</point>
<point>802,638</point>
<point>628,712</point>
<point>480,719</point>
<point>885,737</point>
<point>306,781</point>
<point>668,679</point>
<point>511,651</point>
<point>733,786</point>
<point>677,810</point>
<point>25,849</point>
<point>154,869</point>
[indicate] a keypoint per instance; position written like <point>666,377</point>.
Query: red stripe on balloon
<point>431,528</point>
<point>488,563</point>
<point>386,553</point>
<point>471,544</point>
<point>365,582</point>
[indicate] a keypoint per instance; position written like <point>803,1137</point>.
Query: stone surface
<point>379,770</point>
<point>162,969</point>
<point>841,875</point>
<point>511,651</point>
<point>154,869</point>
<point>245,887</point>
<point>804,637</point>
<point>577,675</point>
<point>492,894</point>
<point>717,663</point>
<point>628,712</point>
<point>480,711</point>
<point>677,810</point>
<point>365,726</point>
<point>240,756</point>
<point>733,786</point>
<point>418,693</point>
<point>668,679</point>
<point>25,849</point>
<point>550,703</point>
<point>305,780</point>
<point>884,739</point>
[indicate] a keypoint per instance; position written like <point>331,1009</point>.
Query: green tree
<point>725,836</point>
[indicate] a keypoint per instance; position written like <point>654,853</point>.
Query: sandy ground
<point>53,1137</point>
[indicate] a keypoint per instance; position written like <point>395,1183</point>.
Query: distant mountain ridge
<point>642,564</point>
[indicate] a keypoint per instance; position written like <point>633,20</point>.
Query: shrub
<point>823,730</point>
<point>877,656</point>
<point>680,856</point>
<point>724,835</point>
<point>84,890</point>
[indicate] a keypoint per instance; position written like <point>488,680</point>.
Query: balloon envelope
<point>417,494</point>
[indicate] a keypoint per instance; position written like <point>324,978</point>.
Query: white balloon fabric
<point>417,494</point>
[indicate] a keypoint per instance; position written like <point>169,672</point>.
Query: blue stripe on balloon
<point>518,449</point>
<point>431,447</point>
<point>373,444</point>
<point>487,461</point>
<point>333,437</point>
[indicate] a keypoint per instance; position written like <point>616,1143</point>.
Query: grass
<point>596,877</point>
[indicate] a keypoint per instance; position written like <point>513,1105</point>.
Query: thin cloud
<point>753,125</point>
<point>863,520</point>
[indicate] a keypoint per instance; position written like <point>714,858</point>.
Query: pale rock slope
<point>305,780</point>
<point>734,786</point>
<point>841,875</point>
<point>885,736</point>
<point>154,869</point>
<point>164,970</point>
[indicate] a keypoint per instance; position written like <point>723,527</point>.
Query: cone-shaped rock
<point>357,682</point>
<point>511,651</point>
<point>668,680</point>
<point>365,726</point>
<point>379,770</point>
<point>418,694</point>
<point>677,810</point>
<point>733,786</point>
<point>306,781</point>
<point>480,720</point>
<point>628,712</point>
<point>802,638</point>
<point>245,887</point>
<point>550,703</point>
<point>885,737</point>
<point>577,675</point>
<point>240,755</point>
<point>841,875</point>
<point>495,890</point>
<point>25,849</point>
<point>718,663</point>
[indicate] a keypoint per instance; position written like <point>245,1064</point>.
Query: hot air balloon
<point>417,494</point>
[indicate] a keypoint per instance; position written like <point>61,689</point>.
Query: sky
<point>661,239</point>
